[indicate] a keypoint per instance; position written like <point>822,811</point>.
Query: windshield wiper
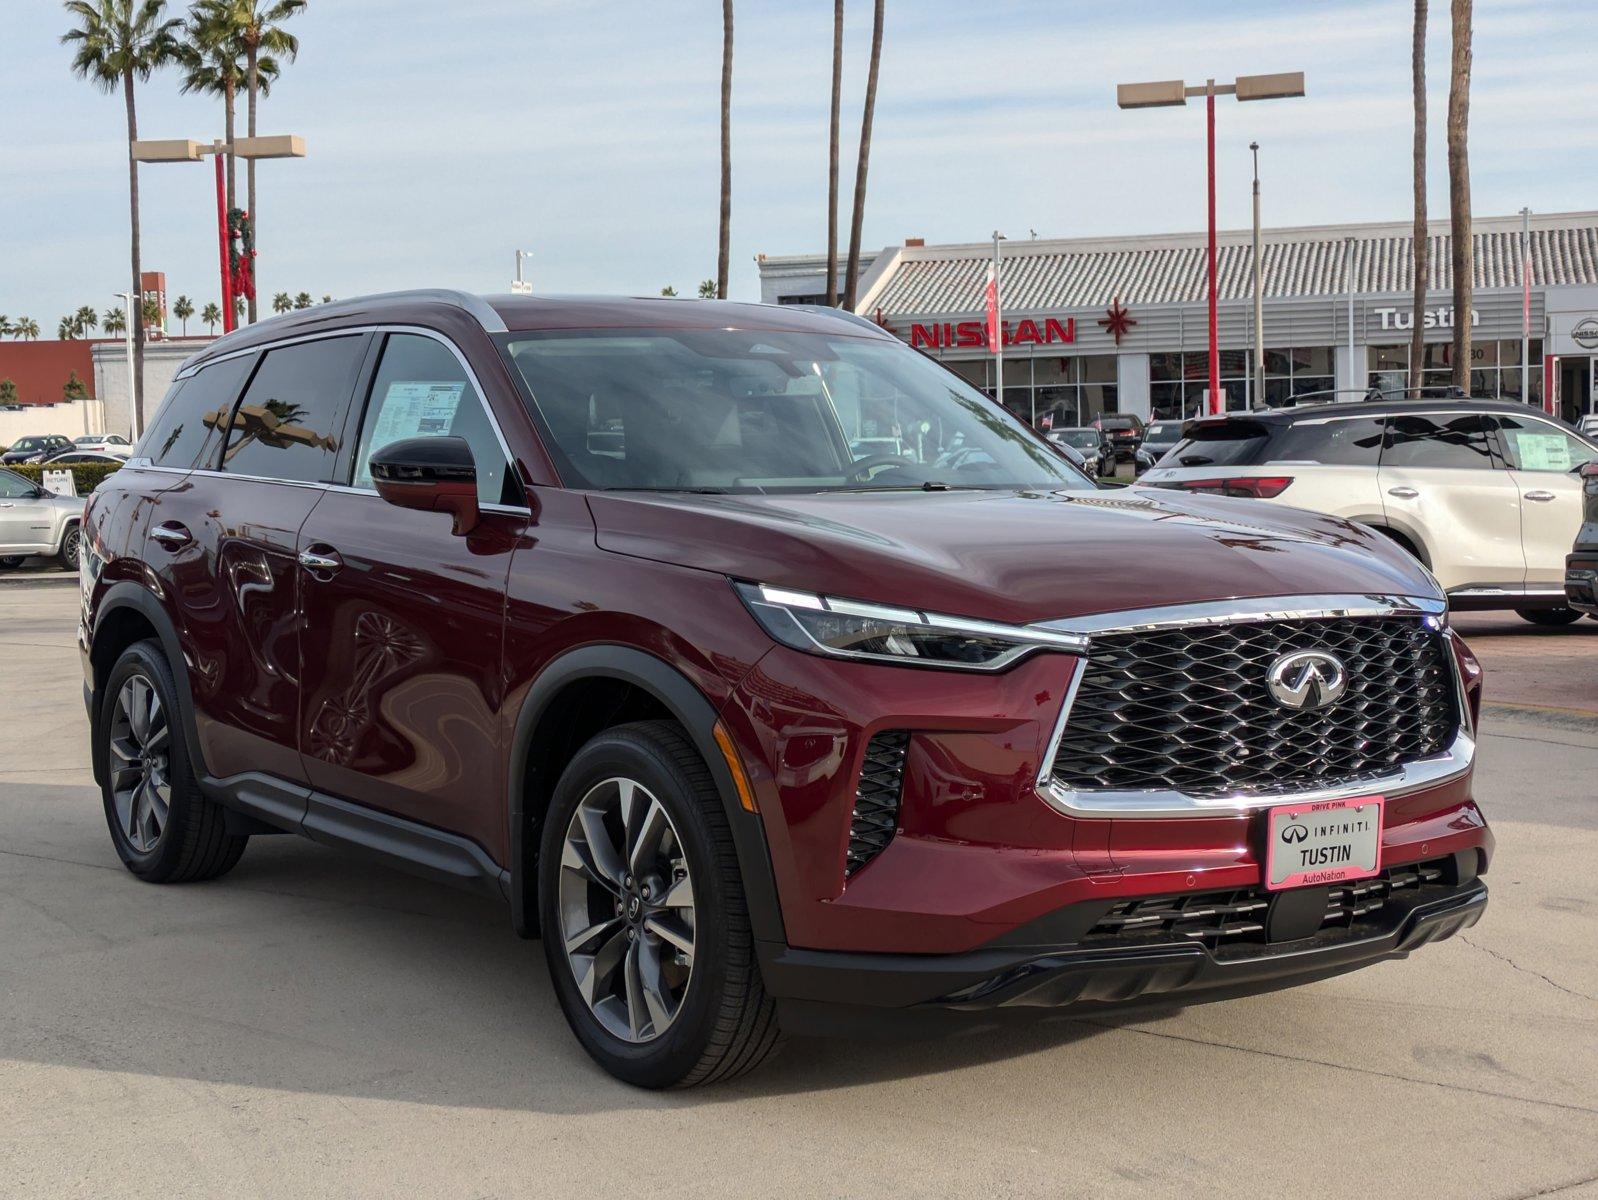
<point>1195,460</point>
<point>694,491</point>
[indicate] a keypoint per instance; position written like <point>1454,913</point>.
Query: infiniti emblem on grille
<point>1307,679</point>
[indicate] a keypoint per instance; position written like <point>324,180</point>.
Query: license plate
<point>1309,844</point>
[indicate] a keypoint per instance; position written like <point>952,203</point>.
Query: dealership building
<point>1095,325</point>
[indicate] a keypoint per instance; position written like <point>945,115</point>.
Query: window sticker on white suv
<point>1541,451</point>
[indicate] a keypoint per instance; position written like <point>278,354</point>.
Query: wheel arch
<point>1402,533</point>
<point>129,613</point>
<point>551,725</point>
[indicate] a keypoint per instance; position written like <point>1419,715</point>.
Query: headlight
<point>852,629</point>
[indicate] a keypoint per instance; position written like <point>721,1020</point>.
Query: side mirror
<point>431,474</point>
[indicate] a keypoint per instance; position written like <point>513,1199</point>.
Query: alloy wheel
<point>627,910</point>
<point>71,547</point>
<point>140,762</point>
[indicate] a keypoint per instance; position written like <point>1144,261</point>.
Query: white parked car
<point>104,443</point>
<point>1588,425</point>
<point>1486,493</point>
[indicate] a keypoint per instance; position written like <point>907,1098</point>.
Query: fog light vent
<point>876,798</point>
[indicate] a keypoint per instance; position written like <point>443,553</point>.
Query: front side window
<point>421,390</point>
<point>187,429</point>
<point>1532,445</point>
<point>15,487</point>
<point>1463,442</point>
<point>761,411</point>
<point>287,423</point>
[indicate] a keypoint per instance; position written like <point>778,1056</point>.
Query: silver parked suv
<point>1487,494</point>
<point>36,521</point>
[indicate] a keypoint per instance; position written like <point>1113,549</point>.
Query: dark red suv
<point>589,605</point>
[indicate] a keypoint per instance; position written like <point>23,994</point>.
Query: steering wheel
<point>862,468</point>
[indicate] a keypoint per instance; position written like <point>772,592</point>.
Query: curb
<point>1581,719</point>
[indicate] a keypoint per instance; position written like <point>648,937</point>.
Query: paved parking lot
<point>314,1026</point>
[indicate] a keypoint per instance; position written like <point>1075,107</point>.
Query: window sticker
<point>411,408</point>
<point>1542,451</point>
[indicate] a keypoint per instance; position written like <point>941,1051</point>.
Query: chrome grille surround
<point>1173,801</point>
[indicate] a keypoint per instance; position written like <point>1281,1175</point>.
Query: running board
<point>408,845</point>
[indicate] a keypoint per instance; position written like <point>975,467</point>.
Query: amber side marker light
<point>746,794</point>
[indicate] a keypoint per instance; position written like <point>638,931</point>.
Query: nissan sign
<point>1585,333</point>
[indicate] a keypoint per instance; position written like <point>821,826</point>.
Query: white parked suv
<point>1486,493</point>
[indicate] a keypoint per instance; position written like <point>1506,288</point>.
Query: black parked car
<point>1581,565</point>
<point>1159,437</point>
<point>1123,432</point>
<point>35,449</point>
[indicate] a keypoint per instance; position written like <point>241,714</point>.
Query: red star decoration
<point>1118,323</point>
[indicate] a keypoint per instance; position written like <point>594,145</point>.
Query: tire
<point>71,545</point>
<point>1549,616</point>
<point>718,1022</point>
<point>11,562</point>
<point>189,841</point>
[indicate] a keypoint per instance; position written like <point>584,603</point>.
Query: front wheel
<point>644,921</point>
<point>1549,616</point>
<point>71,546</point>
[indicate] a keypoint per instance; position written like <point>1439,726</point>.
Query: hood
<point>1012,556</point>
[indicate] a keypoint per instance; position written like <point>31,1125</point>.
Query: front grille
<point>876,798</point>
<point>1236,918</point>
<point>1188,709</point>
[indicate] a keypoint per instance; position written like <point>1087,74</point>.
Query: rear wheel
<point>646,929</point>
<point>163,827</point>
<point>1549,616</point>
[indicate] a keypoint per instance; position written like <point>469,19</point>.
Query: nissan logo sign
<point>1585,333</point>
<point>1307,680</point>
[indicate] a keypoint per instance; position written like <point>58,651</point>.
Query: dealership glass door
<point>1576,394</point>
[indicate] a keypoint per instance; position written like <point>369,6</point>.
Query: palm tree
<point>303,300</point>
<point>832,154</point>
<point>668,291</point>
<point>865,158</point>
<point>211,58</point>
<point>707,290</point>
<point>87,320</point>
<point>26,328</point>
<point>150,316</point>
<point>282,302</point>
<point>259,29</point>
<point>1420,237</point>
<point>327,299</point>
<point>115,43</point>
<point>5,325</point>
<point>66,330</point>
<point>723,245</point>
<point>1459,227</point>
<point>211,314</point>
<point>183,309</point>
<point>115,322</point>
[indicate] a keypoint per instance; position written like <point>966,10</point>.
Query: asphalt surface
<point>314,1026</point>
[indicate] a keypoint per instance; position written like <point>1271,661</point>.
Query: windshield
<point>754,411</point>
<point>1163,431</point>
<point>1080,439</point>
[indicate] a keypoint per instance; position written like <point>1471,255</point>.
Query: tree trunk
<point>229,104</point>
<point>249,165</point>
<point>858,219</point>
<point>723,248</point>
<point>1464,258</point>
<point>832,155</point>
<point>1417,340</point>
<point>137,399</point>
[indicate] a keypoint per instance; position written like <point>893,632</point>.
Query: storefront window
<point>1495,369</point>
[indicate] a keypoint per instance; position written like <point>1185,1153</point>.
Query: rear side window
<point>287,423</point>
<point>421,390</point>
<point>187,430</point>
<point>1355,442</point>
<point>1462,442</point>
<point>1228,444</point>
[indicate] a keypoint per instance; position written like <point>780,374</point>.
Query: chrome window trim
<point>1456,760</point>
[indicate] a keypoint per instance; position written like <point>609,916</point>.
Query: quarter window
<point>1539,446</point>
<point>421,390</point>
<point>1464,441</point>
<point>1355,442</point>
<point>286,426</point>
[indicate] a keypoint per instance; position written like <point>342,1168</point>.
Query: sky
<point>445,134</point>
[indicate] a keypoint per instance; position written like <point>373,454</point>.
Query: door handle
<point>171,534</point>
<point>323,563</point>
<point>7,504</point>
<point>1403,493</point>
<point>1540,496</point>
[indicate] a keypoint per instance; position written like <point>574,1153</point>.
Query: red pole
<point>222,245</point>
<point>1216,401</point>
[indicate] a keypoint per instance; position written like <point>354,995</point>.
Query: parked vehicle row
<point>53,448</point>
<point>1485,493</point>
<point>757,730</point>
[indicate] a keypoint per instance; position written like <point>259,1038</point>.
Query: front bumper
<point>822,992</point>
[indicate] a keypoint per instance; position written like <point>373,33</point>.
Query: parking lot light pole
<point>127,340</point>
<point>1168,93</point>
<point>183,150</point>
<point>1258,371</point>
